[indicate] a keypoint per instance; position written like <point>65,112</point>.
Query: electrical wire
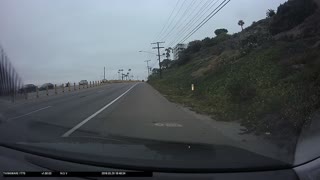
<point>203,11</point>
<point>179,28</point>
<point>180,19</point>
<point>183,3</point>
<point>167,21</point>
<point>205,21</point>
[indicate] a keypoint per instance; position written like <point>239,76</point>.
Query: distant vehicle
<point>44,86</point>
<point>28,88</point>
<point>83,82</point>
<point>67,84</point>
<point>142,80</point>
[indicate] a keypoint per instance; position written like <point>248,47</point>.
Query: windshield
<point>208,84</point>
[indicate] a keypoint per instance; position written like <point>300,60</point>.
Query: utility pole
<point>148,66</point>
<point>158,47</point>
<point>120,70</point>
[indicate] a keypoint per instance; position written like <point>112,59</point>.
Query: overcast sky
<point>69,40</point>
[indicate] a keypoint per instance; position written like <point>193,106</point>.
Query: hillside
<point>267,76</point>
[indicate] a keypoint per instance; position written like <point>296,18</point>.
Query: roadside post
<point>192,87</point>
<point>12,95</point>
<point>79,85</point>
<point>55,89</point>
<point>63,88</point>
<point>37,91</point>
<point>47,90</point>
<point>90,83</point>
<point>74,86</point>
<point>69,87</point>
<point>25,94</point>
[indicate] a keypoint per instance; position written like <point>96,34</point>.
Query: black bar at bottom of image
<point>77,174</point>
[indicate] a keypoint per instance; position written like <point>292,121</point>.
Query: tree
<point>155,71</point>
<point>194,46</point>
<point>270,13</point>
<point>220,31</point>
<point>166,63</point>
<point>168,51</point>
<point>241,23</point>
<point>290,14</point>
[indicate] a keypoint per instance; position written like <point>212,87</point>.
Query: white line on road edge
<point>30,113</point>
<point>68,133</point>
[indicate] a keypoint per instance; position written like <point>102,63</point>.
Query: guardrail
<point>59,89</point>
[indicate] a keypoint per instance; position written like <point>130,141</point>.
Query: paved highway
<point>134,110</point>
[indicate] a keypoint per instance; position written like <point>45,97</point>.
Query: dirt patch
<point>211,64</point>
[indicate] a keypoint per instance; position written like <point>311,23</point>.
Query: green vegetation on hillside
<point>268,84</point>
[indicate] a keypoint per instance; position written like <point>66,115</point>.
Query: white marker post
<point>192,87</point>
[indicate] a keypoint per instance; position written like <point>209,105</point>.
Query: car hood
<point>139,154</point>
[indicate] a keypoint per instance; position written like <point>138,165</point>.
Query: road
<point>134,110</point>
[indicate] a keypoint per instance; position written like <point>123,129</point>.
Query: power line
<point>185,19</point>
<point>203,11</point>
<point>180,19</point>
<point>173,18</point>
<point>160,33</point>
<point>213,13</point>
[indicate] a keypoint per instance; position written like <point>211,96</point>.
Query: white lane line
<point>30,113</point>
<point>68,133</point>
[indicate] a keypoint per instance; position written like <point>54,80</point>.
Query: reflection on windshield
<point>246,94</point>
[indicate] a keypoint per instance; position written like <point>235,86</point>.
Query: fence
<point>57,89</point>
<point>10,82</point>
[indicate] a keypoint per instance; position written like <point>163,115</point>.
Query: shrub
<point>218,39</point>
<point>241,90</point>
<point>218,32</point>
<point>291,14</point>
<point>270,13</point>
<point>183,58</point>
<point>194,46</point>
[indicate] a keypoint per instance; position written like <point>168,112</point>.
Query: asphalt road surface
<point>134,110</point>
